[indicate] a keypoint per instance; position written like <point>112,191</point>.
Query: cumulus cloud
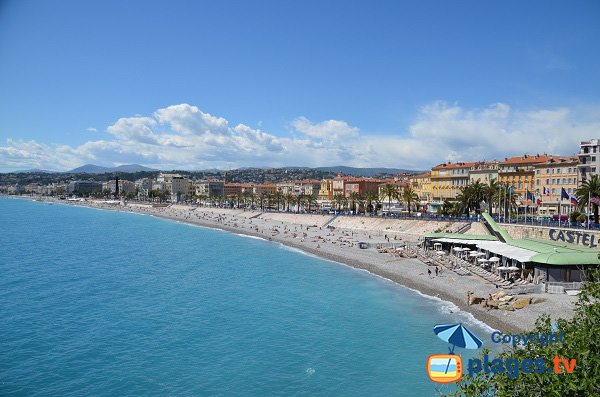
<point>182,136</point>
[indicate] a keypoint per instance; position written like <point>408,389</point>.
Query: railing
<point>565,286</point>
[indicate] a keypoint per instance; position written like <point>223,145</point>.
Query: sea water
<point>109,303</point>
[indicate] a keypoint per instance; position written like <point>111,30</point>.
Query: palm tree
<point>289,198</point>
<point>278,196</point>
<point>371,197</point>
<point>391,192</point>
<point>491,193</point>
<point>310,200</point>
<point>409,196</point>
<point>353,198</point>
<point>362,203</point>
<point>590,188</point>
<point>339,199</point>
<point>299,200</point>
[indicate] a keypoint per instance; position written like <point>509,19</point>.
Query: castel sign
<point>573,237</point>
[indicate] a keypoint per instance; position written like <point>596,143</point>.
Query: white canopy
<point>481,260</point>
<point>494,259</point>
<point>496,247</point>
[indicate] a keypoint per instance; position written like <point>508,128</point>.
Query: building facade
<point>551,176</point>
<point>519,173</point>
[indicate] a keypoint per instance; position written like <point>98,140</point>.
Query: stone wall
<point>584,238</point>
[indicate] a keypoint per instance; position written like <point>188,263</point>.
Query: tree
<point>278,197</point>
<point>340,200</point>
<point>299,200</point>
<point>581,341</point>
<point>310,201</point>
<point>289,199</point>
<point>391,192</point>
<point>590,188</point>
<point>372,197</point>
<point>491,193</point>
<point>409,196</point>
<point>353,198</point>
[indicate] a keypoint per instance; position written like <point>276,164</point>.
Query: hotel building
<point>551,176</point>
<point>519,173</point>
<point>447,180</point>
<point>484,172</point>
<point>421,184</point>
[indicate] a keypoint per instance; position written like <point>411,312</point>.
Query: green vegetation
<point>581,342</point>
<point>590,188</point>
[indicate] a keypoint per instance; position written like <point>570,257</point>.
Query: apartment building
<point>484,172</point>
<point>421,184</point>
<point>551,176</point>
<point>589,159</point>
<point>447,179</point>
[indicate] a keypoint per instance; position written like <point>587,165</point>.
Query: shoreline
<point>406,272</point>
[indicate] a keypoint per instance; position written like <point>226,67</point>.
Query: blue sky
<point>194,84</point>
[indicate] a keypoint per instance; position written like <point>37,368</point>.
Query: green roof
<point>459,236</point>
<point>567,258</point>
<point>501,233</point>
<point>547,246</point>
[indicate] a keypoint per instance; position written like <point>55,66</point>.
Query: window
<point>547,181</point>
<point>537,172</point>
<point>553,191</point>
<point>593,158</point>
<point>547,170</point>
<point>520,185</point>
<point>593,169</point>
<point>537,182</point>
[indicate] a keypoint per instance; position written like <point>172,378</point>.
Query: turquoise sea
<point>116,304</point>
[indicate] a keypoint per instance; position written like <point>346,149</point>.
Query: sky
<point>226,84</point>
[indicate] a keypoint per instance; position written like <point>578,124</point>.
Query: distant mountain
<point>96,169</point>
<point>35,171</point>
<point>352,171</point>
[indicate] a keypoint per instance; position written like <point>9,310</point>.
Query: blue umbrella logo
<point>457,335</point>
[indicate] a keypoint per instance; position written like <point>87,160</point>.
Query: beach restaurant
<point>558,265</point>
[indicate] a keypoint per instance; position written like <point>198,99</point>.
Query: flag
<point>529,196</point>
<point>573,200</point>
<point>546,190</point>
<point>595,200</point>
<point>563,194</point>
<point>538,202</point>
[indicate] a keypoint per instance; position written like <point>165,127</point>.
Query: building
<point>421,184</point>
<point>177,185</point>
<point>232,189</point>
<point>309,187</point>
<point>551,176</point>
<point>84,188</point>
<point>210,188</point>
<point>447,180</point>
<point>589,159</point>
<point>392,204</point>
<point>263,189</point>
<point>144,186</point>
<point>484,172</point>
<point>326,191</point>
<point>555,265</point>
<point>125,186</point>
<point>519,173</point>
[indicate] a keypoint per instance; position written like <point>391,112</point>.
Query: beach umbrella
<point>440,252</point>
<point>513,268</point>
<point>457,249</point>
<point>466,249</point>
<point>481,254</point>
<point>457,335</point>
<point>473,254</point>
<point>494,259</point>
<point>482,260</point>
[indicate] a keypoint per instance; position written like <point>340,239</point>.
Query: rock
<point>505,299</point>
<point>506,307</point>
<point>498,295</point>
<point>493,303</point>
<point>521,303</point>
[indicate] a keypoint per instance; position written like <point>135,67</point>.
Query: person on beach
<point>429,273</point>
<point>436,271</point>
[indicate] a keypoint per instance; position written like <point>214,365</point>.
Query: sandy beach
<point>337,238</point>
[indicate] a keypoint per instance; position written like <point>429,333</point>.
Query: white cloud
<point>182,136</point>
<point>91,129</point>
